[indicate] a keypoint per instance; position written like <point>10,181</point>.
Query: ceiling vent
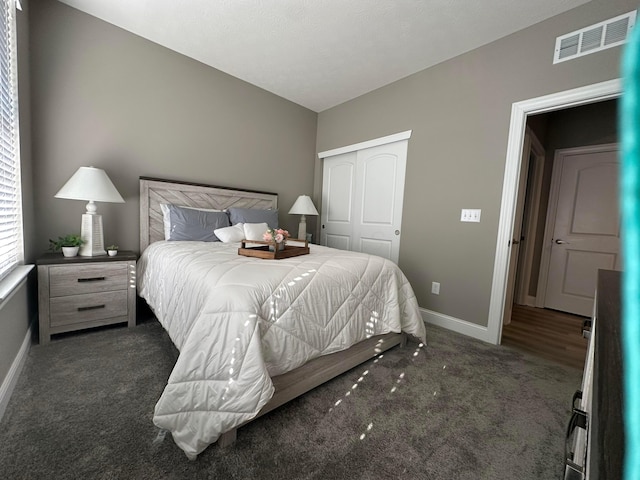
<point>600,36</point>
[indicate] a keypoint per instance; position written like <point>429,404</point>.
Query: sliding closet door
<point>362,197</point>
<point>338,190</point>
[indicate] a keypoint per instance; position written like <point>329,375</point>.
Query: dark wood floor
<point>547,333</point>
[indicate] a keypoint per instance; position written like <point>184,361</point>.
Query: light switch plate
<point>470,215</point>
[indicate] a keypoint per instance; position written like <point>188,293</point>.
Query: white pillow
<point>166,217</point>
<point>254,231</point>
<point>231,234</point>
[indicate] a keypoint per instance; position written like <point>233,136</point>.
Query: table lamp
<point>303,206</point>
<point>91,184</point>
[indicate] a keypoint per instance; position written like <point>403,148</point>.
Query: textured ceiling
<point>320,53</point>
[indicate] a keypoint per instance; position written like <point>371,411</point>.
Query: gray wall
<point>459,112</point>
<point>105,97</point>
<point>20,309</point>
<point>592,124</point>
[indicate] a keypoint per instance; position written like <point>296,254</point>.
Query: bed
<point>253,333</point>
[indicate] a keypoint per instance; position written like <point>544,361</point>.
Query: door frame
<point>516,234</point>
<point>530,222</point>
<point>552,209</point>
<point>519,111</point>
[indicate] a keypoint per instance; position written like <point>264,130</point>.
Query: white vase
<point>112,253</point>
<point>70,251</point>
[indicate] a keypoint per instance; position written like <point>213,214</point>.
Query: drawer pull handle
<point>94,307</point>
<point>578,420</point>
<point>91,279</point>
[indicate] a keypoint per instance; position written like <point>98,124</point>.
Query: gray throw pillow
<point>254,215</point>
<point>197,225</point>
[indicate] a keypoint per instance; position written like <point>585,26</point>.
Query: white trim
<point>396,137</point>
<point>9,383</point>
<point>455,324</point>
<point>519,112</point>
<point>12,281</point>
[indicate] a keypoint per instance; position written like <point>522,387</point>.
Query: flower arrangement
<point>277,235</point>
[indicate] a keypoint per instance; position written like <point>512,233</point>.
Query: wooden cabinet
<point>83,292</point>
<point>597,449</point>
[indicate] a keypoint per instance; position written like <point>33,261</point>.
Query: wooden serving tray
<point>264,252</point>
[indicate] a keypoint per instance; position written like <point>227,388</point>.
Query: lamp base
<point>302,228</point>
<point>91,233</point>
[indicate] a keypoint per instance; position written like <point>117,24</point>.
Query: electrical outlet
<point>470,215</point>
<point>435,288</point>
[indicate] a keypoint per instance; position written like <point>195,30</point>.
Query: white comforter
<point>238,320</point>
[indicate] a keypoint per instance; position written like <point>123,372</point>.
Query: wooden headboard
<point>154,191</point>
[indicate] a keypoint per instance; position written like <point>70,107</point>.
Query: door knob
<point>397,232</point>
<point>515,242</point>
<point>561,242</point>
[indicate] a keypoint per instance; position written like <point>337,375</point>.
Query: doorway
<point>521,112</point>
<point>581,153</point>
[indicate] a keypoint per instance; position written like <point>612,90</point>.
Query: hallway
<point>547,333</point>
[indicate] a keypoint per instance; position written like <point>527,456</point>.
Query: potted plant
<point>69,244</point>
<point>112,250</point>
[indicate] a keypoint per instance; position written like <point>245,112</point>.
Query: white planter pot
<point>70,251</point>
<point>112,253</point>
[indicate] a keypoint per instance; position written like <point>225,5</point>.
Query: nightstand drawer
<point>87,308</point>
<point>92,278</point>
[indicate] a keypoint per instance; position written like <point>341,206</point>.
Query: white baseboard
<point>456,325</point>
<point>9,383</point>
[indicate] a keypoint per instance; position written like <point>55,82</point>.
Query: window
<point>11,246</point>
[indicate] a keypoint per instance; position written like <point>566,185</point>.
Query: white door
<point>530,217</point>
<point>586,230</point>
<point>362,196</point>
<point>338,190</point>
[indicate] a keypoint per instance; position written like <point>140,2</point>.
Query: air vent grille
<point>594,38</point>
<point>617,31</point>
<point>591,39</point>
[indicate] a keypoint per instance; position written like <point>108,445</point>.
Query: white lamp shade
<point>93,185</point>
<point>303,206</point>
<point>90,184</point>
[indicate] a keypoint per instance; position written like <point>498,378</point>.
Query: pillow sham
<point>231,234</point>
<point>194,224</point>
<point>254,215</point>
<point>166,217</point>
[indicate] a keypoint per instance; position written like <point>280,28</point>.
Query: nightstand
<point>82,292</point>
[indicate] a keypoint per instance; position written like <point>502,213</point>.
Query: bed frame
<point>154,191</point>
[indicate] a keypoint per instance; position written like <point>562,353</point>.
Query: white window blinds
<point>11,247</point>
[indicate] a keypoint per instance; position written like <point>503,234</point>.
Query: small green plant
<point>71,240</point>
<point>112,247</point>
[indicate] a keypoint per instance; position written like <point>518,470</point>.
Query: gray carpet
<point>459,409</point>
